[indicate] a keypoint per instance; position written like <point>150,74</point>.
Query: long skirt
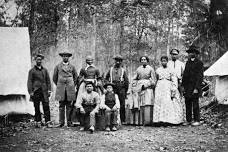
<point>166,109</point>
<point>141,112</point>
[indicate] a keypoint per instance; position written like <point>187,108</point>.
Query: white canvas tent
<point>220,70</point>
<point>15,61</point>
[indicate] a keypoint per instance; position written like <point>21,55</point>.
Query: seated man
<point>88,104</point>
<point>110,102</point>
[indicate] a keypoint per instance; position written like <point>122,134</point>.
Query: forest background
<point>132,28</point>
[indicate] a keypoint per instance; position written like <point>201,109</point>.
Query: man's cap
<point>39,55</point>
<point>174,51</point>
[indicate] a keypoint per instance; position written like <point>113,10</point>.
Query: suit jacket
<point>193,77</point>
<point>65,78</point>
<point>39,79</point>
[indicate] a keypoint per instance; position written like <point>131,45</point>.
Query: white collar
<point>192,59</point>
<point>87,66</point>
<point>65,63</point>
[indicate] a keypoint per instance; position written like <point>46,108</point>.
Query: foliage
<point>132,28</point>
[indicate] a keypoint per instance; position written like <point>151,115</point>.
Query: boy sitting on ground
<point>110,102</point>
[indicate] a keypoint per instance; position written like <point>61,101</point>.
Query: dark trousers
<point>87,118</point>
<point>65,104</point>
<point>111,117</point>
<point>120,91</point>
<point>192,105</point>
<point>46,109</point>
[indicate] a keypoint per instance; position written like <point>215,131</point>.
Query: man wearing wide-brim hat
<point>111,104</point>
<point>39,88</point>
<point>192,80</point>
<point>65,78</point>
<point>118,76</point>
<point>177,66</point>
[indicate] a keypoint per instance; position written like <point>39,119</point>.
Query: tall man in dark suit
<point>39,88</point>
<point>192,80</point>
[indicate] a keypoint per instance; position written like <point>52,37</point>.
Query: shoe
<point>69,124</point>
<point>186,123</point>
<point>124,123</point>
<point>91,129</point>
<point>48,124</point>
<point>60,126</point>
<point>114,128</point>
<point>38,124</point>
<point>107,129</point>
<point>82,129</point>
<point>196,123</point>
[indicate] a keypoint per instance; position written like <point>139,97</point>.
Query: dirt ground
<point>24,137</point>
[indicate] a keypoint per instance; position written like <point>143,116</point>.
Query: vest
<point>121,75</point>
<point>110,100</point>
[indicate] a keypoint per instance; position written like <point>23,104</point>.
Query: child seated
<point>110,102</point>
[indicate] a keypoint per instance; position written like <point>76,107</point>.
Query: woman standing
<point>143,93</point>
<point>167,106</point>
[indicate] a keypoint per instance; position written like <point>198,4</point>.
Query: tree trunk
<point>31,16</point>
<point>168,38</point>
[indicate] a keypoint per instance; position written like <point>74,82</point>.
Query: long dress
<point>167,106</point>
<point>143,100</point>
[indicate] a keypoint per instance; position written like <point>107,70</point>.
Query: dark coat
<point>39,79</point>
<point>192,77</point>
<point>65,78</point>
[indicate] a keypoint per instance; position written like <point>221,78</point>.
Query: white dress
<point>167,106</point>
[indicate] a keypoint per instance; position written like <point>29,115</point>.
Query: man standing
<point>88,103</point>
<point>39,88</point>
<point>65,78</point>
<point>177,66</point>
<point>117,75</point>
<point>192,80</point>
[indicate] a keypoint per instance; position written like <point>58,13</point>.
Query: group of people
<point>156,94</point>
<point>88,92</point>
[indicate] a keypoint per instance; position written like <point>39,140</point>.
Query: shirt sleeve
<point>117,101</point>
<point>29,82</point>
<point>55,75</point>
<point>78,103</point>
<point>75,76</point>
<point>97,100</point>
<point>48,81</point>
<point>153,76</point>
<point>107,77</point>
<point>102,99</point>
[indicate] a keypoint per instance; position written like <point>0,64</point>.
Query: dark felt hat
<point>39,55</point>
<point>174,51</point>
<point>118,57</point>
<point>66,52</point>
<point>193,49</point>
<point>109,84</point>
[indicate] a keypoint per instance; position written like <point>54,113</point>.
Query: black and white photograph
<point>113,75</point>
